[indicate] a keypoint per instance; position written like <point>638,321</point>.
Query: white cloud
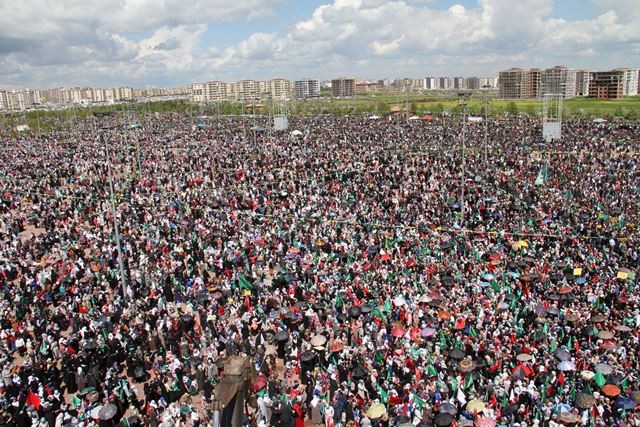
<point>372,38</point>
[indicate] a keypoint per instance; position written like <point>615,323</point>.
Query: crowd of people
<point>375,272</point>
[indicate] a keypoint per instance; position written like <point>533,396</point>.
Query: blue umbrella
<point>563,407</point>
<point>513,274</point>
<point>581,280</point>
<point>488,276</point>
<point>625,403</point>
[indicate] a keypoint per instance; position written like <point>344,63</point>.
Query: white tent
<point>296,133</point>
<point>414,118</point>
<point>599,120</point>
<point>474,119</point>
<point>374,117</point>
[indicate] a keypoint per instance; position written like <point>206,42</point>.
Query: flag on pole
<point>599,379</point>
<point>384,397</point>
<point>542,175</point>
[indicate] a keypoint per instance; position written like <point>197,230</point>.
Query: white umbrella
<point>567,365</point>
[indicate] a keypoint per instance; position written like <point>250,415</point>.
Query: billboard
<point>280,123</point>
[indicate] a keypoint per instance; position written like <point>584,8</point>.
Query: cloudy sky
<point>48,43</point>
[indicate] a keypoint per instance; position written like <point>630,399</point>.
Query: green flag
<point>472,332</point>
<point>377,313</point>
<point>338,302</point>
<point>454,384</point>
<point>431,371</point>
<point>599,379</point>
<point>384,398</point>
<point>469,382</point>
<point>419,402</point>
<point>387,306</point>
<point>76,402</point>
<point>245,284</point>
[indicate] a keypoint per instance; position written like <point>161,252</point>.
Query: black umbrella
<point>625,403</point>
<point>510,409</point>
<point>358,373</point>
<point>354,312</point>
<point>443,419</point>
<point>365,309</point>
<point>457,354</point>
<point>307,356</point>
<point>448,408</point>
<point>282,336</point>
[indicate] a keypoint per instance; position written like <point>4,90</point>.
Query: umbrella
<point>358,372</point>
<point>318,341</point>
<point>467,365</point>
<point>87,390</point>
<point>567,365</point>
<point>524,357</point>
<point>427,332</point>
<point>598,318</point>
<point>635,395</point>
<point>457,354</point>
<point>587,375</point>
<point>307,356</point>
<point>336,347</point>
<point>108,411</point>
<point>354,312</point>
<point>376,411</point>
<point>625,403</point>
<point>521,371</point>
<point>448,408</point>
<point>399,301</point>
<point>562,354</point>
<point>568,418</point>
<point>398,331</point>
<point>563,407</point>
<point>605,335</point>
<point>572,317</point>
<point>603,368</point>
<point>585,401</point>
<point>485,422</point>
<point>442,419</point>
<point>488,277</point>
<point>611,390</point>
<point>282,336</point>
<point>608,345</point>
<point>623,328</point>
<point>475,406</point>
<point>95,412</point>
<point>510,409</point>
<point>590,331</point>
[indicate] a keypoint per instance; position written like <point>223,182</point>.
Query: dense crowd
<point>342,258</point>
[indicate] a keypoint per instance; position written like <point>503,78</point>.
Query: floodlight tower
<point>463,102</point>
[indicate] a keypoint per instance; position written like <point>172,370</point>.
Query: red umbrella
<point>522,371</point>
<point>397,331</point>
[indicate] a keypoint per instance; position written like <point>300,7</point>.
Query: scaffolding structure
<point>280,116</point>
<point>552,116</point>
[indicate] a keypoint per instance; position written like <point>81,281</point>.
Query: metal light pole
<point>463,98</point>
<point>116,226</point>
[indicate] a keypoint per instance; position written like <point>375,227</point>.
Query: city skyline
<point>139,43</point>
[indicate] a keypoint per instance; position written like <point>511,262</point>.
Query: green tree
<point>512,108</point>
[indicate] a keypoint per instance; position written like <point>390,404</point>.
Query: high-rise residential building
<point>629,81</point>
<point>280,88</point>
<point>208,91</point>
<point>582,82</point>
<point>343,87</point>
<point>459,83</point>
<point>559,80</point>
<point>4,103</point>
<point>197,92</point>
<point>306,88</point>
<point>248,90</point>
<point>431,83</point>
<point>19,100</point>
<point>488,82</point>
<point>514,83</point>
<point>473,83</point>
<point>606,84</point>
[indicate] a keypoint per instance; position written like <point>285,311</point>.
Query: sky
<point>169,43</point>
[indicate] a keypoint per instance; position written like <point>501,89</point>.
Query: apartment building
<point>248,90</point>
<point>306,88</point>
<point>559,80</point>
<point>343,87</point>
<point>280,88</point>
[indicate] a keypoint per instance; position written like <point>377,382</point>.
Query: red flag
<point>33,400</point>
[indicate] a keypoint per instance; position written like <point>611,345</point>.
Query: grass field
<point>375,103</point>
